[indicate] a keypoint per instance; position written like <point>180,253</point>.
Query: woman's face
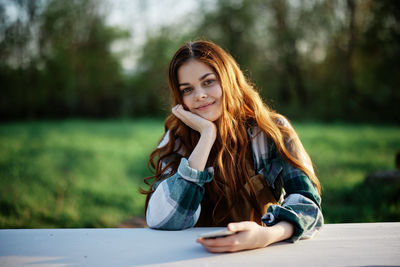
<point>200,89</point>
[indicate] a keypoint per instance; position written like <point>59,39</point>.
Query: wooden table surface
<point>364,244</point>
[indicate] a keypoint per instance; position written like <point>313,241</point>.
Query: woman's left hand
<point>250,236</point>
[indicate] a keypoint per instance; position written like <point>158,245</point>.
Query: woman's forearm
<point>278,232</point>
<point>250,236</point>
<point>198,158</point>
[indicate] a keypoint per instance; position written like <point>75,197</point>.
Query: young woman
<point>227,159</point>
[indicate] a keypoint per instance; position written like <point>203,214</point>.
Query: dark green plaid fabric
<point>301,203</point>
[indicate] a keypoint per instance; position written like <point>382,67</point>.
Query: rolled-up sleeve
<point>301,205</point>
<point>175,203</point>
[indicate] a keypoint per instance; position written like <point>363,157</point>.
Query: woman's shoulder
<point>282,120</point>
<point>277,118</point>
<point>260,138</point>
<point>254,129</point>
<point>260,141</point>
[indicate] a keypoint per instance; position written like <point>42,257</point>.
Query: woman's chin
<point>209,118</point>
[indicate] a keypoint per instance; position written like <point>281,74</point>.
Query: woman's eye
<point>186,90</point>
<point>208,82</point>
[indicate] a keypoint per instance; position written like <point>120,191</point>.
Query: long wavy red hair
<point>242,106</point>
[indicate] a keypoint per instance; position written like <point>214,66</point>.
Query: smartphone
<point>217,234</point>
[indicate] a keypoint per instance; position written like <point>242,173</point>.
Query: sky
<point>140,17</point>
<point>147,14</point>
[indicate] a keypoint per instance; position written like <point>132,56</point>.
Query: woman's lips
<point>205,106</point>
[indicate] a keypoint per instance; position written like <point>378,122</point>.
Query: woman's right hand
<point>194,121</point>
<point>208,133</point>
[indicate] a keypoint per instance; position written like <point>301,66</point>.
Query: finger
<point>187,117</point>
<point>218,242</point>
<point>219,249</point>
<point>175,108</point>
<point>239,226</point>
<point>230,247</point>
<point>177,111</point>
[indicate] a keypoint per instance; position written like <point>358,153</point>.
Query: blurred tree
<point>18,56</point>
<point>359,72</point>
<point>304,55</point>
<point>58,62</point>
<point>149,92</point>
<point>377,62</point>
<point>230,24</point>
<point>285,45</point>
<point>317,59</point>
<point>349,51</point>
<point>148,85</point>
<point>84,72</point>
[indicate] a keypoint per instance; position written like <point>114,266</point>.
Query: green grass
<point>73,173</point>
<point>87,173</point>
<point>344,155</point>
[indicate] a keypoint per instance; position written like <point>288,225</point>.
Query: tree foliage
<point>58,62</point>
<point>318,59</point>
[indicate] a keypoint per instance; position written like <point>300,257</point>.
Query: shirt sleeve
<point>301,204</point>
<point>175,203</point>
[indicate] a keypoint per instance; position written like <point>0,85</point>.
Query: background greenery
<point>73,140</point>
<point>78,173</point>
<point>318,59</point>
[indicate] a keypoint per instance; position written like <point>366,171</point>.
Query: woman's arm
<point>300,202</point>
<point>175,203</point>
<point>208,132</point>
<point>250,236</point>
<point>299,215</point>
<point>198,158</point>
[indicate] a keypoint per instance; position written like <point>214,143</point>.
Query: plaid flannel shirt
<point>176,202</point>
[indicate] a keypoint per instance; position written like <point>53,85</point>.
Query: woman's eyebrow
<point>182,84</point>
<point>205,75</point>
<point>201,78</point>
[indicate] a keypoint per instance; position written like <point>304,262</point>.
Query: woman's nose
<point>200,93</point>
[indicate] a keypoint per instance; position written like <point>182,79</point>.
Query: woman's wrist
<point>278,232</point>
<point>199,156</point>
<point>210,132</point>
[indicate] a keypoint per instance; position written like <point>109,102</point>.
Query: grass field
<point>78,173</point>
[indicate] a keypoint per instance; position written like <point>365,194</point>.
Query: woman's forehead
<point>193,69</point>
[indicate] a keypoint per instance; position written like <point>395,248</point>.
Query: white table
<point>367,244</point>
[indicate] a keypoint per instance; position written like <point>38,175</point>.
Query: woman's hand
<point>194,121</point>
<point>208,133</point>
<point>250,236</point>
